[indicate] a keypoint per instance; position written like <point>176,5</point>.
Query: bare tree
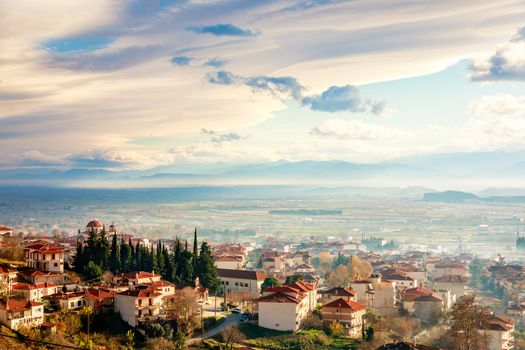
<point>185,308</point>
<point>230,336</point>
<point>359,268</point>
<point>464,320</point>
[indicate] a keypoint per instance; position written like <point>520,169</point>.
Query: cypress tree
<point>80,258</point>
<point>206,270</point>
<point>102,250</point>
<point>195,254</point>
<point>114,259</point>
<point>125,257</point>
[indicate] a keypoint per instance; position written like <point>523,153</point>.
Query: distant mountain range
<point>454,170</point>
<point>460,197</point>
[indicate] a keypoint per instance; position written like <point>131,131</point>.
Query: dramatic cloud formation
<point>357,130</point>
<point>277,86</point>
<point>507,63</point>
<point>223,30</point>
<point>344,98</point>
<point>142,77</point>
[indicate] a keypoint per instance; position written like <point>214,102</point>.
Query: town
<point>106,289</point>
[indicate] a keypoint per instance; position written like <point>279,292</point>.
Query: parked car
<point>236,310</point>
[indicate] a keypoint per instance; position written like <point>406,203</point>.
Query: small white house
<point>15,313</point>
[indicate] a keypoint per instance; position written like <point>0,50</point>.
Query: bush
<point>336,329</point>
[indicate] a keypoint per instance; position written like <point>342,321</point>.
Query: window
<point>236,283</point>
<point>72,304</point>
<point>56,265</point>
<point>79,303</point>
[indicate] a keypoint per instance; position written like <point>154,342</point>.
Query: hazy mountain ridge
<point>402,172</point>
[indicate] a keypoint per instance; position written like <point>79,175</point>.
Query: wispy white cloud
<point>357,130</point>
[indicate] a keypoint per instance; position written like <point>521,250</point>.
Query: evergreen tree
<point>159,259</point>
<point>92,271</point>
<point>206,270</point>
<point>195,255</point>
<point>125,257</point>
<point>114,258</point>
<point>169,266</point>
<point>184,272</point>
<point>102,250</point>
<point>80,258</point>
<point>137,258</point>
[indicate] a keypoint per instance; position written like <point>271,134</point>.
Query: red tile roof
<point>20,305</point>
<point>277,298</point>
<point>140,293</point>
<point>342,303</point>
<point>341,292</point>
<point>241,274</point>
<point>100,293</point>
<point>282,289</point>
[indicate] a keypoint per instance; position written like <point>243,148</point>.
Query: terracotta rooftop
<point>342,303</point>
<point>277,298</point>
<point>340,292</point>
<point>241,274</point>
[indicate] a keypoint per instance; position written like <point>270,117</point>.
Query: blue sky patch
<point>77,44</point>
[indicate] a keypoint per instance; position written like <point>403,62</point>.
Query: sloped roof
<point>241,274</point>
<point>341,292</point>
<point>342,303</point>
<point>452,279</point>
<point>277,298</point>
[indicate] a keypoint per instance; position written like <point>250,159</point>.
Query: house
<point>428,308</point>
<point>100,300</point>
<point>338,292</point>
<point>498,332</point>
<point>229,262</point>
<point>68,301</point>
<point>348,313</point>
<point>304,268</point>
<point>408,296</point>
<point>378,293</point>
<point>136,306</point>
<point>34,292</point>
<point>7,276</point>
<point>241,281</point>
<point>451,268</point>
<point>162,287</point>
<point>455,283</point>
<point>135,278</point>
<point>45,257</point>
<point>401,279</point>
<point>415,272</point>
<point>309,289</point>
<point>15,313</point>
<point>35,277</point>
<point>282,310</point>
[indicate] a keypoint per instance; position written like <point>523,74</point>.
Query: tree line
<point>176,265</point>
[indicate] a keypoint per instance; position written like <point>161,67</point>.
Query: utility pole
<point>202,324</point>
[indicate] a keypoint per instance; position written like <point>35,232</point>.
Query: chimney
<point>376,278</point>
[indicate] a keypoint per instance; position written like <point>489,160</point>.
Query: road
<point>232,319</point>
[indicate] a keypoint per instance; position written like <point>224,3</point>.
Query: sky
<point>134,84</point>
